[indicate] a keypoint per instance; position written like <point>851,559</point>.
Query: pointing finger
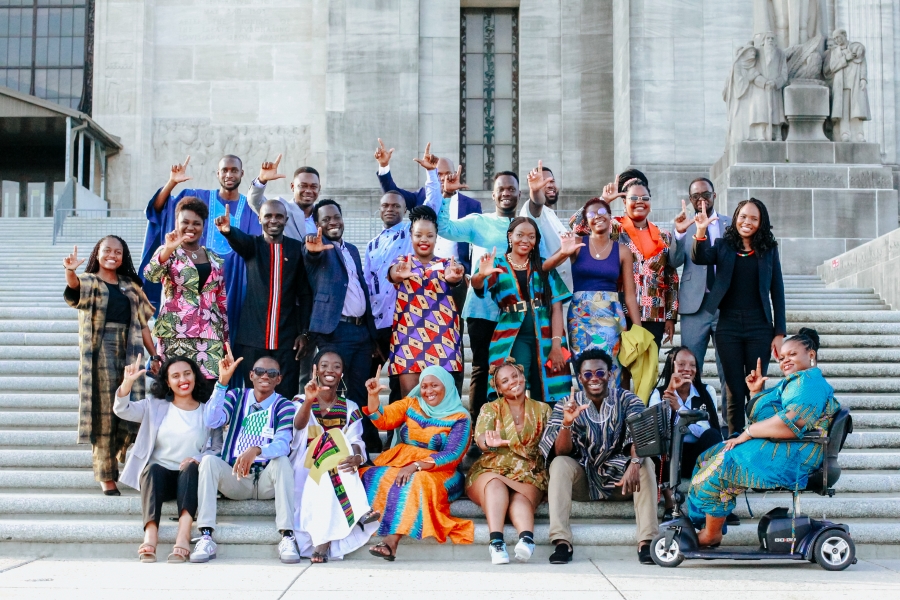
<point>186,161</point>
<point>428,149</point>
<point>277,161</point>
<point>540,168</point>
<point>759,367</point>
<point>683,207</point>
<point>227,211</point>
<point>380,144</point>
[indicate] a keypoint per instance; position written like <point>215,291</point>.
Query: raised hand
<point>227,366</point>
<point>403,268</point>
<point>671,395</point>
<point>454,272</point>
<point>174,239</point>
<point>312,388</point>
<point>269,171</point>
<point>486,266</point>
<point>681,219</point>
<point>428,161</point>
<point>610,193</point>
<point>314,242</point>
<point>494,438</point>
<point>374,385</point>
<point>72,262</point>
<point>536,180</point>
<point>450,185</point>
<point>571,410</point>
<point>703,220</point>
<point>755,380</point>
<point>570,242</point>
<point>178,173</point>
<point>133,372</point>
<point>382,155</point>
<point>224,222</point>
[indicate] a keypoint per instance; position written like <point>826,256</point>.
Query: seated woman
<point>164,464</point>
<point>530,329</point>
<point>413,483</point>
<point>331,512</point>
<point>758,459</point>
<point>681,387</point>
<point>509,477</point>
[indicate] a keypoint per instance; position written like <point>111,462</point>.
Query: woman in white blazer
<point>165,459</point>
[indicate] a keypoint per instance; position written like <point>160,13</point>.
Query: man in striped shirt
<point>254,463</point>
<point>275,314</point>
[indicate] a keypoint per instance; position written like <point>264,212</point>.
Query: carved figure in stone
<point>794,21</point>
<point>747,95</point>
<point>773,67</point>
<point>845,67</point>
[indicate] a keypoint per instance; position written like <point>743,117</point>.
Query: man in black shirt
<point>276,309</point>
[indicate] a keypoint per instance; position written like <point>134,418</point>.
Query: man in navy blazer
<point>341,319</point>
<point>460,204</point>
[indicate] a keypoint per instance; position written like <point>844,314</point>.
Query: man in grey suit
<point>697,323</point>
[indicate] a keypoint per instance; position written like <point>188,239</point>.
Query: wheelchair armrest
<point>815,437</point>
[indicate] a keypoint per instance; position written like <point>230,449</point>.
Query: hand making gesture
<point>536,180</point>
<point>494,438</point>
<point>703,220</point>
<point>569,243</point>
<point>314,242</point>
<point>671,394</point>
<point>312,388</point>
<point>174,239</point>
<point>133,372</point>
<point>269,171</point>
<point>227,366</point>
<point>755,380</point>
<point>72,262</point>
<point>374,387</point>
<point>428,161</point>
<point>610,193</point>
<point>486,266</point>
<point>382,155</point>
<point>178,174</point>
<point>454,272</point>
<point>403,268</point>
<point>223,223</point>
<point>681,219</point>
<point>571,410</point>
<point>451,183</point>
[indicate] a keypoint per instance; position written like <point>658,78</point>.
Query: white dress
<point>328,502</point>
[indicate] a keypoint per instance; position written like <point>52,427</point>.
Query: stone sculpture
<point>773,68</point>
<point>845,67</point>
<point>794,22</point>
<point>747,99</point>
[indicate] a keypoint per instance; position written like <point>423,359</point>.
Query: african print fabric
<point>597,320</point>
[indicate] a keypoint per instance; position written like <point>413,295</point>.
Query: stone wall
<point>873,265</point>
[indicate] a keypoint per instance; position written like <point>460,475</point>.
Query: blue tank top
<point>592,275</point>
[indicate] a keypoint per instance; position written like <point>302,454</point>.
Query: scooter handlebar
<point>692,415</point>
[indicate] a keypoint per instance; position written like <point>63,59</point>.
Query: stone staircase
<point>50,504</point>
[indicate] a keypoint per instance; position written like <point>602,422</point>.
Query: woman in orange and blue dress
<point>413,483</point>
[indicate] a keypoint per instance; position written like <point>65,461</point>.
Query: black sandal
<point>370,517</point>
<point>318,558</point>
<point>388,557</point>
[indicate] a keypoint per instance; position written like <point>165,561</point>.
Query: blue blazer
<point>467,206</point>
<point>328,279</point>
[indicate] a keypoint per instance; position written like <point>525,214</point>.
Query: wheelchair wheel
<point>665,558</point>
<point>834,550</point>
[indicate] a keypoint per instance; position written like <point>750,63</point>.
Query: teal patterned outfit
<point>720,476</point>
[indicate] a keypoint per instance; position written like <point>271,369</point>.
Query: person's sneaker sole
<point>521,556</point>
<point>291,561</point>
<point>203,560</point>
<point>500,560</point>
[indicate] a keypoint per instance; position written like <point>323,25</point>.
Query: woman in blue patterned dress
<point>758,459</point>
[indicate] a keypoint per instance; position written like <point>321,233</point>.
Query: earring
<point>813,362</point>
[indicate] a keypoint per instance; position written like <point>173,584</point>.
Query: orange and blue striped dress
<point>421,508</point>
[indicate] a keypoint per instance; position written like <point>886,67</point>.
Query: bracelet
<point>700,239</point>
<point>68,269</point>
<point>557,337</point>
<point>569,427</point>
<point>749,435</point>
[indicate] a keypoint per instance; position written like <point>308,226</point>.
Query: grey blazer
<point>692,286</point>
<point>150,413</point>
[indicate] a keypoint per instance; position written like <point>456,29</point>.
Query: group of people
<point>271,333</point>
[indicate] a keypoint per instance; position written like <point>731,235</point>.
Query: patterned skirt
<point>205,353</point>
<point>596,320</point>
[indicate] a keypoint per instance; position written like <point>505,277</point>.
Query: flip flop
<point>370,517</point>
<point>179,555</point>
<point>318,558</point>
<point>388,557</point>
<point>147,553</point>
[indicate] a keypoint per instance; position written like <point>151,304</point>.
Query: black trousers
<point>159,484</point>
<point>742,338</point>
<point>690,451</point>
<point>288,364</point>
<point>657,329</point>
<point>480,333</point>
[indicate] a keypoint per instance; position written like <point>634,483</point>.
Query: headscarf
<point>450,405</point>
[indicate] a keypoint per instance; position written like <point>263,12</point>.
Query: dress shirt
<point>697,429</point>
<point>293,228</point>
<point>354,300</point>
<point>713,232</point>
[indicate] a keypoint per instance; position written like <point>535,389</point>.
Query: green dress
<point>721,476</point>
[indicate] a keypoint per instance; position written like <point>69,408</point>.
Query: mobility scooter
<point>783,534</point>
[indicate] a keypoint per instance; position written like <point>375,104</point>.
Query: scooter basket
<point>651,431</point>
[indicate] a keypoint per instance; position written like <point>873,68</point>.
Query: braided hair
<point>808,338</point>
<point>423,213</point>
<point>761,241</point>
<point>534,257</point>
<point>705,399</point>
<point>495,369</point>
<point>126,269</point>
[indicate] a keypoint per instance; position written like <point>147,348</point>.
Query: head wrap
<point>450,405</point>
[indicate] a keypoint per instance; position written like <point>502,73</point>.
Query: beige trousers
<point>275,481</point>
<point>568,482</point>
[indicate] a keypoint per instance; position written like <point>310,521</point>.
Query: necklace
<point>517,267</point>
<point>193,252</point>
<point>599,253</point>
<point>514,416</point>
<point>746,253</point>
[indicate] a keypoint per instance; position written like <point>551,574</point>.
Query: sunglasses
<point>703,196</point>
<point>272,373</point>
<point>641,198</point>
<point>594,214</point>
<point>588,375</point>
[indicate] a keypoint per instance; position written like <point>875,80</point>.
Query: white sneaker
<point>287,550</point>
<point>524,549</point>
<point>204,551</point>
<point>499,555</point>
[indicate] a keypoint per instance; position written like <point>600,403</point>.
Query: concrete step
<point>43,419</point>
<point>53,314</point>
<point>43,459</point>
<point>22,338</point>
<point>38,401</point>
<point>38,384</point>
<point>870,459</point>
<point>9,325</point>
<point>39,367</point>
<point>44,353</point>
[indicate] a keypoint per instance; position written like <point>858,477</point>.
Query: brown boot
<point>712,534</point>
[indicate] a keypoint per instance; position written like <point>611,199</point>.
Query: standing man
<point>277,307</point>
<point>341,318</point>
<point>393,241</point>
<point>161,217</point>
<point>460,204</point>
<point>698,324</point>
<point>306,189</point>
<point>485,232</point>
<point>543,196</point>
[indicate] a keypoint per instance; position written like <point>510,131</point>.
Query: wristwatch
<point>637,461</point>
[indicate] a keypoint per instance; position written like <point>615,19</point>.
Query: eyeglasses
<point>272,373</point>
<point>641,198</point>
<point>593,215</point>
<point>588,375</point>
<point>702,196</point>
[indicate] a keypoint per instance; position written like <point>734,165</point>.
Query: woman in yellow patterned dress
<point>509,478</point>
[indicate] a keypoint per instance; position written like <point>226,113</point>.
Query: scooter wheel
<point>834,550</point>
<point>665,558</point>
